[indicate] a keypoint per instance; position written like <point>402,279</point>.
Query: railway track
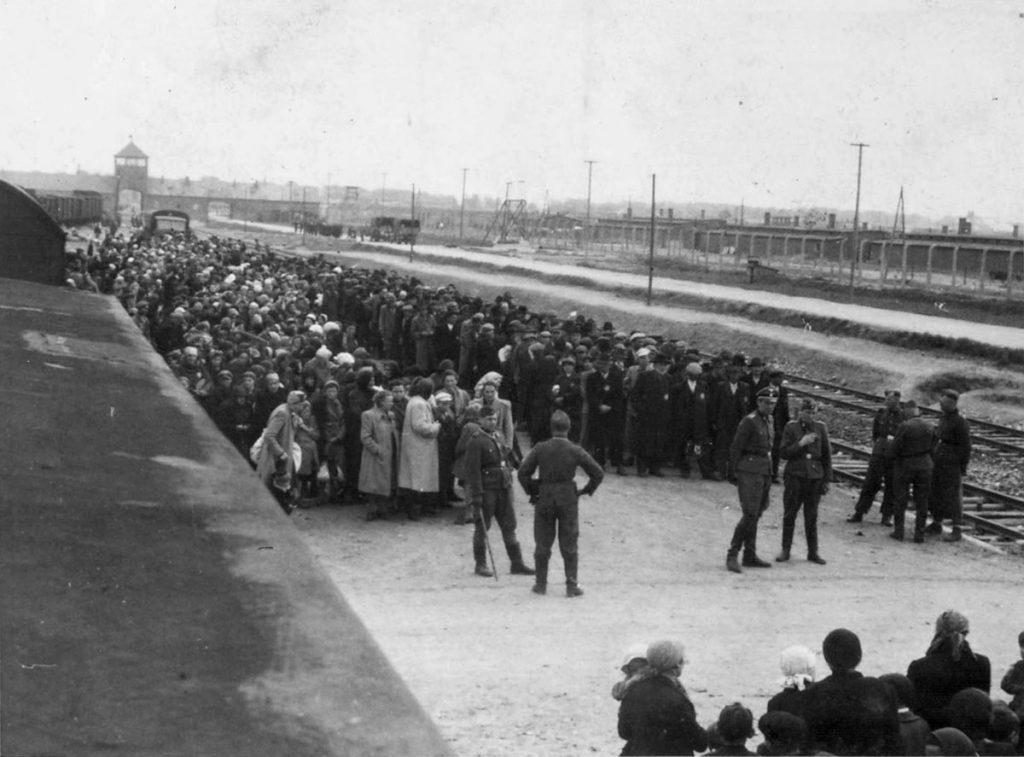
<point>993,517</point>
<point>1003,439</point>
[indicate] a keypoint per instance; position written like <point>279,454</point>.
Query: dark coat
<point>812,461</point>
<point>848,713</point>
<point>656,717</point>
<point>692,411</point>
<point>937,677</point>
<point>649,399</point>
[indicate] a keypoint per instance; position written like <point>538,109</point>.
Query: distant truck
<point>390,229</point>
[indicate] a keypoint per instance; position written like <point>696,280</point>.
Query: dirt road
<point>503,671</point>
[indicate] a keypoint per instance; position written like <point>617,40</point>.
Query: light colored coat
<point>379,435</point>
<point>277,437</point>
<point>419,465</point>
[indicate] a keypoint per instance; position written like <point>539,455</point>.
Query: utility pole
<point>855,253</point>
<point>650,260</point>
<point>303,213</point>
<point>586,231</point>
<point>412,226</point>
<point>462,208</point>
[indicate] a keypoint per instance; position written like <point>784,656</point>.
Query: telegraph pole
<point>303,213</point>
<point>462,208</point>
<point>412,227</point>
<point>650,261</point>
<point>590,174</point>
<point>855,253</point>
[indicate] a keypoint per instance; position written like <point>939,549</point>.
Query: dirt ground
<point>503,671</point>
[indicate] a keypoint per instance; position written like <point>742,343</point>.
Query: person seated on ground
<point>970,711</point>
<point>634,663</point>
<point>948,666</point>
<point>735,725</point>
<point>656,716</point>
<point>849,713</point>
<point>784,733</point>
<point>1004,727</point>
<point>950,741</point>
<point>1013,681</point>
<point>914,729</point>
<point>797,664</point>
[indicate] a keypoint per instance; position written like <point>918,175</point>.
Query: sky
<point>724,101</point>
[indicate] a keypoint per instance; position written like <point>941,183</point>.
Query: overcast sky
<point>725,101</point>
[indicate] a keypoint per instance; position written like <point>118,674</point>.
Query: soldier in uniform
<point>912,466</point>
<point>951,454</point>
<point>556,500</point>
<point>881,464</point>
<point>489,492</point>
<point>750,458</point>
<point>808,454</point>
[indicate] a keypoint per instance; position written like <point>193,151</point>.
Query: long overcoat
<point>381,443</point>
<point>418,470</point>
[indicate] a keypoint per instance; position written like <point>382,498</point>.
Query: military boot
<point>480,557</point>
<point>540,585</point>
<point>955,535</point>
<point>572,588</point>
<point>732,562</point>
<point>515,555</point>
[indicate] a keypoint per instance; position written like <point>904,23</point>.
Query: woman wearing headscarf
<point>797,664</point>
<point>948,666</point>
<point>418,470</point>
<point>275,465</point>
<point>378,472</point>
<point>656,716</point>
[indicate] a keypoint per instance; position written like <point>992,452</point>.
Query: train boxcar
<point>31,240</point>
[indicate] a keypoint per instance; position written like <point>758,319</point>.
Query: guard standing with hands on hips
<point>556,499</point>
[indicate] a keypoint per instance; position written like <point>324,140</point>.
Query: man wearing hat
<point>911,450</point>
<point>567,395</point>
<point>650,403</point>
<point>489,493</point>
<point>556,500</point>
<point>881,464</point>
<point>751,463</point>
<point>780,414</point>
<point>606,417</point>
<point>808,454</point>
<point>952,453</point>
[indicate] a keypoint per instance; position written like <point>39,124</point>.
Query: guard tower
<point>131,174</point>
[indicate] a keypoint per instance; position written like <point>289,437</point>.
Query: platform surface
<point>154,600</point>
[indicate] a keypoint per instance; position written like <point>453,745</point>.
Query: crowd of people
<point>246,331</point>
<point>942,704</point>
<point>350,385</point>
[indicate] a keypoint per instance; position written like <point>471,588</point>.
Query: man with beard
<point>649,400</point>
<point>607,413</point>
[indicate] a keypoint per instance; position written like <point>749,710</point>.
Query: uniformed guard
<point>556,499</point>
<point>751,462</point>
<point>489,491</point>
<point>951,454</point>
<point>808,454</point>
<point>911,450</point>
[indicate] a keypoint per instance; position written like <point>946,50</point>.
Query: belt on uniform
<point>557,480</point>
<point>755,454</point>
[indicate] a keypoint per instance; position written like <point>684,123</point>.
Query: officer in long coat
<point>489,492</point>
<point>751,460</point>
<point>556,500</point>
<point>951,455</point>
<point>808,454</point>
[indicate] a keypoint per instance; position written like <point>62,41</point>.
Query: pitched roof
<point>131,150</point>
